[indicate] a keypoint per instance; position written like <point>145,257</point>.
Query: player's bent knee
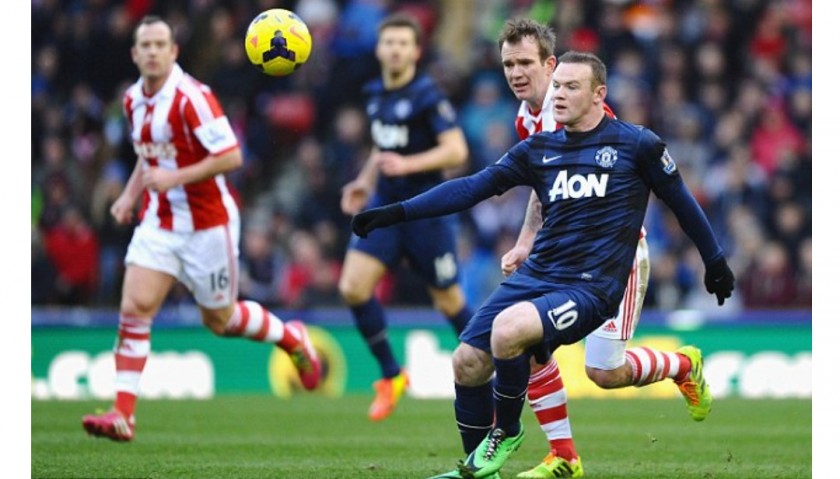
<point>353,296</point>
<point>514,331</point>
<point>215,327</point>
<point>605,379</point>
<point>216,320</point>
<point>504,331</point>
<point>508,338</point>
<point>132,306</point>
<point>471,366</point>
<point>353,292</point>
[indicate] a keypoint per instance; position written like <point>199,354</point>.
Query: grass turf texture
<point>310,437</point>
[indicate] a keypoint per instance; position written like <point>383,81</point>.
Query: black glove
<point>719,280</point>
<point>367,221</point>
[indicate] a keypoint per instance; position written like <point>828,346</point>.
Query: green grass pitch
<point>314,437</point>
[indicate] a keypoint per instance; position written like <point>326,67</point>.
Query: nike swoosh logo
<point>547,160</point>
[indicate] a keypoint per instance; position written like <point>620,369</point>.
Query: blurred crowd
<point>727,84</point>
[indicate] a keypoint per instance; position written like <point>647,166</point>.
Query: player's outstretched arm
<point>446,198</point>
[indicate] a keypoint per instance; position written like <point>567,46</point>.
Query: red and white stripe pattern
<point>627,308</point>
<point>253,321</point>
<point>179,126</point>
<point>547,397</point>
<point>529,122</point>
<point>650,366</point>
<point>131,352</point>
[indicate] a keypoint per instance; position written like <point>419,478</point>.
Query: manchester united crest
<point>606,157</point>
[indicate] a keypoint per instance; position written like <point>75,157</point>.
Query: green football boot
<point>489,457</point>
<point>553,467</point>
<point>694,389</point>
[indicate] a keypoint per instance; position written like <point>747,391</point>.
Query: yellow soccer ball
<point>278,42</point>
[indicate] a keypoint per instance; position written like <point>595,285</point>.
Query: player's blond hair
<point>515,29</point>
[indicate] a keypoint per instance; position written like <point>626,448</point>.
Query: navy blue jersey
<point>407,121</point>
<point>594,188</point>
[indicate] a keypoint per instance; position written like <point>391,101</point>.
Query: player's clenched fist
<point>123,210</point>
<point>367,221</point>
<point>513,258</point>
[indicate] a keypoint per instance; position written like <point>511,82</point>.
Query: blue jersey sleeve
<point>660,172</point>
<point>461,193</point>
<point>513,168</point>
<point>655,164</point>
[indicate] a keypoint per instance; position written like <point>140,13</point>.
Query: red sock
<point>684,368</point>
<point>547,397</point>
<point>132,350</point>
<point>291,339</point>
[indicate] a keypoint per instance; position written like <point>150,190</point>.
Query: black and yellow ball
<point>278,42</point>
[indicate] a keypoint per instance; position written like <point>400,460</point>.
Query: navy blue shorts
<point>428,244</point>
<point>568,313</point>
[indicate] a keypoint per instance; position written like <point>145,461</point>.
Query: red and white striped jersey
<point>529,122</point>
<point>176,127</point>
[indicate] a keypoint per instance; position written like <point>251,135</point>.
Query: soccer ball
<point>278,42</point>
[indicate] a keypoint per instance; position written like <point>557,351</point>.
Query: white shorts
<point>606,345</point>
<point>205,261</point>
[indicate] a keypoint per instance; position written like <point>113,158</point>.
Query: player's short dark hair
<point>515,29</point>
<point>599,70</point>
<point>150,19</point>
<point>400,19</point>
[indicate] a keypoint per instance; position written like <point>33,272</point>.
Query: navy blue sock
<point>473,414</point>
<point>370,321</point>
<point>509,389</point>
<point>460,320</point>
